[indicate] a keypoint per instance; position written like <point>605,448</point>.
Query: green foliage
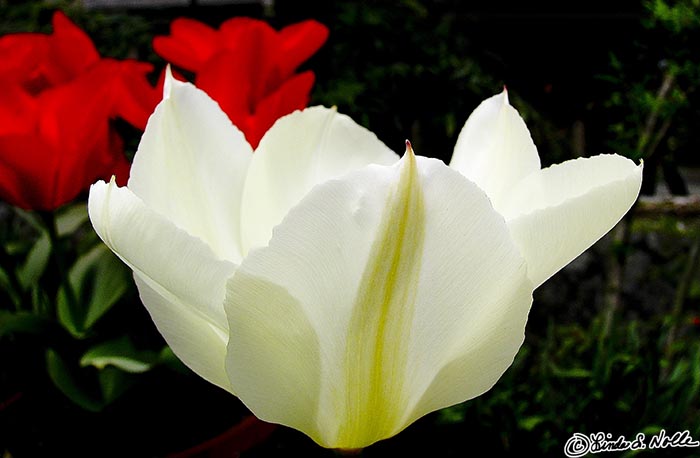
<point>121,354</point>
<point>675,16</point>
<point>60,282</point>
<point>569,382</point>
<point>376,53</point>
<point>653,92</point>
<point>97,280</point>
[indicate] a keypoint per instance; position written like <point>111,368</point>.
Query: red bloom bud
<point>55,108</point>
<point>247,66</point>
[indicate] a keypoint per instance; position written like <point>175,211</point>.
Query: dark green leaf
<point>70,218</point>
<point>22,322</point>
<point>35,265</point>
<point>67,382</point>
<point>119,353</point>
<point>98,280</point>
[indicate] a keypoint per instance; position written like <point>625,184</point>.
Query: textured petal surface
<point>494,148</point>
<point>180,280</point>
<point>301,150</point>
<point>191,165</point>
<point>557,213</point>
<point>384,295</point>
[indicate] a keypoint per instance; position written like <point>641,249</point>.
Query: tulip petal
<point>292,95</point>
<point>374,284</point>
<point>72,50</point>
<point>494,148</point>
<point>557,213</point>
<point>299,151</point>
<point>191,165</point>
<point>182,283</point>
<point>190,44</point>
<point>299,42</point>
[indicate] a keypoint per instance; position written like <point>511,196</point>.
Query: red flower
<point>246,66</point>
<point>57,99</point>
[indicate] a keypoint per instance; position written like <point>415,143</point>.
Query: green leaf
<point>98,280</point>
<point>575,372</point>
<point>114,383</point>
<point>22,322</point>
<point>453,414</point>
<point>530,423</point>
<point>119,353</point>
<point>92,390</point>
<point>29,273</point>
<point>7,286</point>
<point>70,218</point>
<point>67,382</point>
<point>168,359</point>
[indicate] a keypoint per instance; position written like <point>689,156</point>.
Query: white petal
<point>198,342</point>
<point>301,150</point>
<point>369,288</point>
<point>191,165</point>
<point>181,281</point>
<point>494,148</point>
<point>557,213</point>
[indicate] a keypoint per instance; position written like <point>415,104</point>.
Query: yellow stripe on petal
<point>382,316</point>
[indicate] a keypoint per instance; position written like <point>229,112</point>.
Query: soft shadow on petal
<point>494,148</point>
<point>198,343</point>
<point>301,150</point>
<point>191,165</point>
<point>185,281</point>
<point>557,213</point>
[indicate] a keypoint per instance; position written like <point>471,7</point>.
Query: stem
<point>650,125</point>
<point>614,267</point>
<point>58,256</point>
<point>15,290</point>
<point>682,290</point>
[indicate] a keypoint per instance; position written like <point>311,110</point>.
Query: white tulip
<point>332,287</point>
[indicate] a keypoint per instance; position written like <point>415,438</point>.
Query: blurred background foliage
<point>612,343</point>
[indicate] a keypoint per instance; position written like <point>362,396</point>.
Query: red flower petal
<point>247,66</point>
<point>71,51</point>
<point>299,42</point>
<point>23,57</point>
<point>293,95</point>
<point>17,109</point>
<point>190,44</point>
<point>26,179</point>
<point>56,107</point>
<point>135,98</point>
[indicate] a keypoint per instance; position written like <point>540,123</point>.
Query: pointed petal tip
<point>504,93</point>
<point>410,154</point>
<point>168,83</point>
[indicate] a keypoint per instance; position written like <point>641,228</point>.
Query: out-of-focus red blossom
<point>246,66</point>
<point>57,99</point>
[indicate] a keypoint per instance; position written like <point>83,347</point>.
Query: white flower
<point>330,290</point>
